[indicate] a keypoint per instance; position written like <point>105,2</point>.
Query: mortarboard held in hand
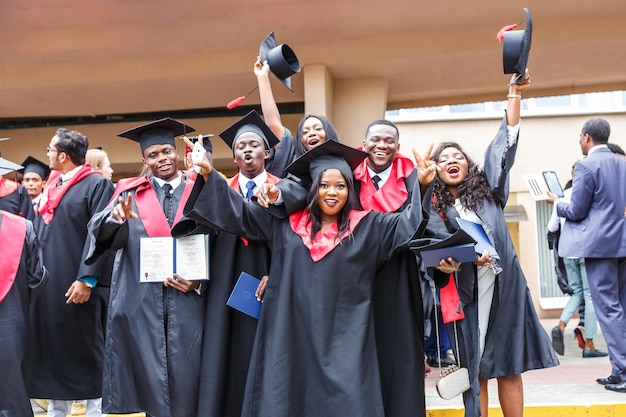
<point>516,47</point>
<point>282,61</point>
<point>281,58</point>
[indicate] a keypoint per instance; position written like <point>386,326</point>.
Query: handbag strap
<point>456,338</point>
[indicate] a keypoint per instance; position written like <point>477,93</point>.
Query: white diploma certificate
<point>161,257</point>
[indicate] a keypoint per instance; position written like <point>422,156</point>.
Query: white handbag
<point>453,379</point>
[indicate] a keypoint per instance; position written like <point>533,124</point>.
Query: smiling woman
<point>493,292</point>
<point>314,346</point>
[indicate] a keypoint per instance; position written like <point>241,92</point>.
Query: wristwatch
<point>87,284</point>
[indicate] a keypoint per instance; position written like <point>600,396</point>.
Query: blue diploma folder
<point>477,232</point>
<point>242,297</point>
<point>459,246</point>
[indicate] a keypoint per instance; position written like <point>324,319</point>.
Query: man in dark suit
<point>596,230</point>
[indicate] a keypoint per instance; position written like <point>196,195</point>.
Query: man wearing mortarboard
<point>154,329</point>
<point>228,333</point>
<point>34,177</point>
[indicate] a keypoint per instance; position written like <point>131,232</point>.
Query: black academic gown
<point>399,323</point>
<point>18,202</point>
<point>69,338</point>
<point>282,155</point>
<point>315,349</point>
<point>228,334</point>
<point>515,341</point>
<point>153,333</point>
<point>15,335</point>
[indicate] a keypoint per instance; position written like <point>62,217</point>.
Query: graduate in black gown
<point>229,333</point>
<point>153,329</point>
<point>66,320</point>
<point>500,336</point>
<point>384,183</point>
<point>315,351</point>
<point>22,277</point>
<point>34,176</point>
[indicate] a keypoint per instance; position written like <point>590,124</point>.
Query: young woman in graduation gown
<point>315,352</point>
<point>500,336</point>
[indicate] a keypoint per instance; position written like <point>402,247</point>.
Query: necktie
<point>250,186</point>
<point>376,179</point>
<point>60,182</point>
<point>167,202</point>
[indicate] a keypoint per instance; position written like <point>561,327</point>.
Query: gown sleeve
<point>25,203</point>
<point>218,205</point>
<point>282,155</point>
<point>103,235</point>
<point>499,159</point>
<point>37,272</point>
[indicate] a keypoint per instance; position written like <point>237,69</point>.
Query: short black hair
<point>383,122</point>
<point>73,143</point>
<point>598,129</point>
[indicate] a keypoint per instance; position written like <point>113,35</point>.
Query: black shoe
<point>594,353</point>
<point>557,340</point>
<point>621,387</point>
<point>610,380</point>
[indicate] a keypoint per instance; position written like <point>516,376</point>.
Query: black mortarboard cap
<point>251,122</point>
<point>31,164</point>
<point>329,154</point>
<point>516,48</point>
<point>7,166</point>
<point>206,142</point>
<point>282,60</point>
<point>160,132</point>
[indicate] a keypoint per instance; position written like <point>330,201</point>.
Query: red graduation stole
<point>52,195</point>
<point>325,242</point>
<point>234,184</point>
<point>391,196</point>
<point>451,307</point>
<point>148,206</point>
<point>12,233</point>
<point>7,187</point>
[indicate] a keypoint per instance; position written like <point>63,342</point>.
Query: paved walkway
<point>569,389</point>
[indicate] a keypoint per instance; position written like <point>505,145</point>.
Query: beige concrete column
<point>350,104</point>
<point>318,91</point>
<point>357,102</point>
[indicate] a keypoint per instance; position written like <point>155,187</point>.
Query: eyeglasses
<point>50,150</point>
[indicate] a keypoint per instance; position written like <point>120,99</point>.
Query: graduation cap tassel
<point>234,103</point>
<point>500,34</point>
